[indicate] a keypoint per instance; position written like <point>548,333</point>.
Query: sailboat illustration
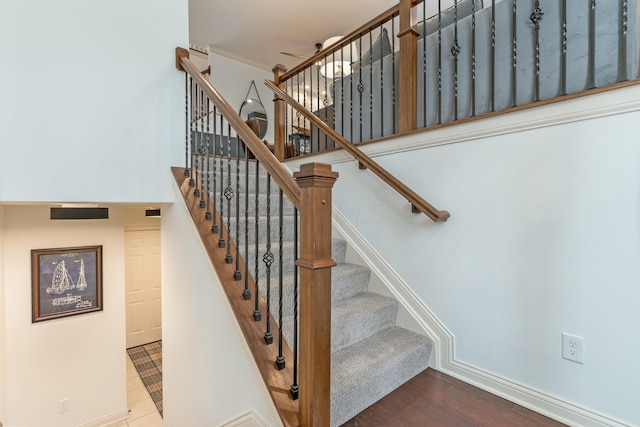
<point>82,283</point>
<point>61,281</point>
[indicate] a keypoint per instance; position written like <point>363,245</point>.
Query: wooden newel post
<point>316,181</point>
<point>408,67</point>
<point>278,114</point>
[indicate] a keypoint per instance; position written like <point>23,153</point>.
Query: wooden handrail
<point>280,175</point>
<point>373,23</point>
<point>418,204</point>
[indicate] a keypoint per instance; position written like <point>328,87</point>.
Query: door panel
<point>143,287</point>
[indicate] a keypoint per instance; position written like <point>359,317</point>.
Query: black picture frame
<point>66,282</point>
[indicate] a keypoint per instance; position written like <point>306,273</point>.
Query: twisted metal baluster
<point>381,92</point>
<point>237,275</point>
<point>424,62</point>
<point>563,56</point>
<point>228,194</point>
<point>257,314</point>
<point>202,150</point>
<point>207,215</point>
<point>360,86</point>
<point>212,190</point>
<point>473,58</point>
<point>393,71</point>
<point>267,258</point>
<point>246,293</point>
<point>280,362</point>
<point>295,389</point>
<point>187,171</point>
<point>514,58</point>
<point>439,96</point>
<point>493,55</point>
<point>371,85</point>
<point>536,18</point>
<point>455,51</point>
<point>221,241</point>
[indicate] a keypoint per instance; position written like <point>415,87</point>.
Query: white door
<point>143,292</point>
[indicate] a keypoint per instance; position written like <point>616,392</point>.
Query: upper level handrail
<point>280,175</point>
<point>417,202</point>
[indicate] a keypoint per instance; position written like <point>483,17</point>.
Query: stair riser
<point>347,329</point>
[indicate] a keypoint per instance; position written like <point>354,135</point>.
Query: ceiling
<point>257,31</point>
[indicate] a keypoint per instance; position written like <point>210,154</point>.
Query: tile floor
<point>142,410</point>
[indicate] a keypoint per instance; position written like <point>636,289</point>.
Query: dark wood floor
<point>435,399</point>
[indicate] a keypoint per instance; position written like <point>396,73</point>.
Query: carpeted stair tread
<point>359,317</point>
<point>365,372</point>
<point>287,228</point>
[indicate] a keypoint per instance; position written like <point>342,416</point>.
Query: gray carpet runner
<point>371,356</point>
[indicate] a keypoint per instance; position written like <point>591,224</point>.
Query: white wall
<point>89,93</point>
<point>232,79</point>
<point>209,376</point>
<point>544,238</point>
<point>80,357</point>
<point>3,347</point>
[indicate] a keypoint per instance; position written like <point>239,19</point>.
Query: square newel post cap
<point>315,175</point>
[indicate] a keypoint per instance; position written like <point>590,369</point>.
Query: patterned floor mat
<point>147,359</point>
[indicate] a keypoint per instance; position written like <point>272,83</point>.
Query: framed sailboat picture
<point>66,282</point>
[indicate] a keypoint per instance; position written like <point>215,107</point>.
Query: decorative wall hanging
<point>66,282</point>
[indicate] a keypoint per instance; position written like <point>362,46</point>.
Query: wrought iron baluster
<point>280,362</point>
<point>563,55</point>
<point>424,62</point>
<point>228,194</point>
<point>198,176</point>
<point>439,62</point>
<point>267,258</point>
<point>237,275</point>
<point>473,58</point>
<point>295,389</point>
<point>192,135</point>
<point>246,293</point>
<point>381,92</point>
<point>393,70</point>
<point>514,53</point>
<point>187,171</point>
<point>360,87</point>
<point>221,241</point>
<point>212,190</point>
<point>203,149</point>
<point>536,18</point>
<point>455,51</point>
<point>493,56</point>
<point>371,83</point>
<point>207,215</point>
<point>622,50</point>
<point>592,45</point>
<point>257,314</point>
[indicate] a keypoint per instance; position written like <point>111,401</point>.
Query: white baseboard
<point>444,345</point>
<point>108,420</point>
<point>250,419</point>
<point>551,406</point>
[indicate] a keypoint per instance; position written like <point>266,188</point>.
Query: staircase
<point>371,356</point>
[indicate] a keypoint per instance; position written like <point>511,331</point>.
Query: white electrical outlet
<point>63,405</point>
<point>573,347</point>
